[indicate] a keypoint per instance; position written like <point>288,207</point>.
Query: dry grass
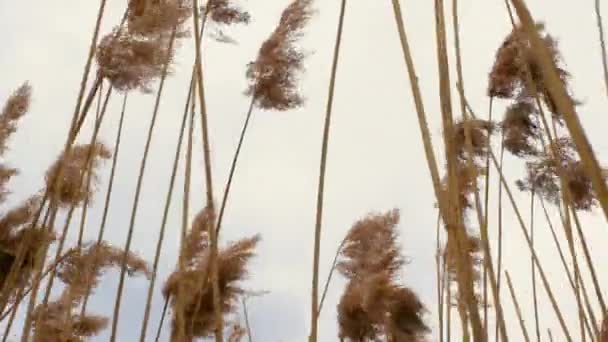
<point>205,290</point>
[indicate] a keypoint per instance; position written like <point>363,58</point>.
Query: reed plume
<point>543,176</point>
<point>521,130</point>
<point>516,74</point>
<point>373,304</point>
<point>80,272</point>
<point>225,12</point>
<point>190,288</point>
<point>129,61</point>
<point>273,75</point>
<point>15,107</point>
<point>159,17</point>
<point>75,166</point>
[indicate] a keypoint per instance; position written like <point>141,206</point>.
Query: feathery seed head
<point>273,75</point>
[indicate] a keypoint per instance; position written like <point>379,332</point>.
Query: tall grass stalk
<point>314,312</point>
<point>522,323</point>
<point>142,169</point>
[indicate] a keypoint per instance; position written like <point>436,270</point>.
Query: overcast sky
<point>376,159</point>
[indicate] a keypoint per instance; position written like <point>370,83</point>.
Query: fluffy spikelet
<point>131,61</point>
<point>159,17</point>
<point>542,176</point>
<point>354,322</point>
<point>192,285</point>
<point>480,131</point>
<point>373,306</point>
<point>521,131</point>
<point>273,75</point>
<point>76,167</point>
<point>227,13</point>
<point>514,59</point>
<point>80,269</point>
<point>371,247</point>
<point>14,109</point>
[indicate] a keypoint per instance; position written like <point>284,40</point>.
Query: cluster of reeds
<point>205,291</point>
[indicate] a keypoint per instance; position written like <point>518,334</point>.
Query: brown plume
<point>371,247</point>
<point>130,61</point>
<point>227,13</point>
<point>190,288</point>
<point>480,131</point>
<point>82,161</point>
<point>514,63</point>
<point>521,131</point>
<point>80,271</point>
<point>273,75</point>
<point>373,305</point>
<point>542,176</point>
<point>159,17</point>
<point>15,108</point>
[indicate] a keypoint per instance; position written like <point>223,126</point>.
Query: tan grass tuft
<point>273,75</point>
<point>373,305</point>
<point>159,17</point>
<point>76,166</point>
<point>131,61</point>
<point>80,271</point>
<point>192,285</point>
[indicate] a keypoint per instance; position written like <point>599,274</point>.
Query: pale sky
<point>376,160</point>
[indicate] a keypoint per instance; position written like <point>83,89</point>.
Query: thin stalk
<point>440,287</point>
<point>600,28</point>
<point>588,260</point>
<point>142,169</point>
<point>314,313</point>
<point>533,270</point>
<point>464,268</point>
<point>208,177</point>
<point>162,319</point>
<point>331,272</point>
<point>567,271</point>
<point>448,287</point>
<point>233,166</point>
<point>248,327</point>
<point>169,197</point>
<point>499,252</point>
<point>524,230</point>
<point>180,326</point>
<point>482,214</point>
<point>544,279</point>
<point>108,198</point>
<point>522,325</point>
